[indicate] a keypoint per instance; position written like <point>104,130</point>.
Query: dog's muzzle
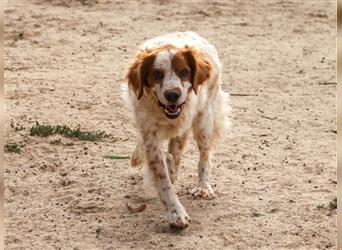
<point>171,111</point>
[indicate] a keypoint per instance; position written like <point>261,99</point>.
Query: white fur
<point>170,80</point>
<point>206,114</point>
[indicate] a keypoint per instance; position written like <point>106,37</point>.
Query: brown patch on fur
<point>199,64</point>
<point>205,154</point>
<point>153,168</point>
<point>160,48</point>
<point>161,176</point>
<point>140,71</point>
<point>153,162</point>
<point>176,146</point>
<point>178,63</point>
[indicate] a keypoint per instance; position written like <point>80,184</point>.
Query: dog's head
<point>169,73</point>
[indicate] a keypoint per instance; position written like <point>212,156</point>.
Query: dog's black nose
<point>172,95</point>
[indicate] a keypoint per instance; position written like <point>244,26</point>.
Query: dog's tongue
<point>172,108</point>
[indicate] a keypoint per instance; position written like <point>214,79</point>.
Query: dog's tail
<point>125,95</point>
<point>222,113</point>
<point>128,97</point>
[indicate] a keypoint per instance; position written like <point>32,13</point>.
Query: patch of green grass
<point>13,148</point>
<point>56,142</point>
<point>42,130</point>
<point>320,206</point>
<point>116,157</point>
<point>46,130</point>
<point>257,214</point>
<point>333,204</point>
<point>17,127</point>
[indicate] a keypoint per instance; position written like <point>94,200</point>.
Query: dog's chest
<point>168,129</point>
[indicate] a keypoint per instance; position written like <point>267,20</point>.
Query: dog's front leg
<point>175,149</point>
<point>175,212</point>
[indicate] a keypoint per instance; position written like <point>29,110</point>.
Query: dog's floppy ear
<point>138,72</point>
<point>199,64</point>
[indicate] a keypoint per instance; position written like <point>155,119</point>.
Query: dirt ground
<point>274,173</point>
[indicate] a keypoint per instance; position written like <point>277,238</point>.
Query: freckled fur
<point>204,113</point>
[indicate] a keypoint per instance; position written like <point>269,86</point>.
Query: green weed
<point>333,204</point>
<point>257,214</point>
<point>46,130</point>
<point>13,148</point>
<point>17,127</point>
<point>56,142</point>
<point>116,157</point>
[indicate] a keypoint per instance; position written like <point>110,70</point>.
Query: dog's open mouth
<point>172,111</point>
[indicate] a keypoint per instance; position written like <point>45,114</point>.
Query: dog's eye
<point>158,75</point>
<point>184,73</point>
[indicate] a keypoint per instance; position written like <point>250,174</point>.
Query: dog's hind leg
<point>204,188</point>
<point>175,149</point>
<point>208,127</point>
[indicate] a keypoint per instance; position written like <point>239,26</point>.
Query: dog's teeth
<point>172,113</point>
<point>167,111</point>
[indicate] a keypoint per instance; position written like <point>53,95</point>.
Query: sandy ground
<point>274,173</point>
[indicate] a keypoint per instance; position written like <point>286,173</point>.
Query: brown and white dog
<point>173,89</point>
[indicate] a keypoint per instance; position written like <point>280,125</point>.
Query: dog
<point>174,88</point>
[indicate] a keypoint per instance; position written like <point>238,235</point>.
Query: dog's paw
<point>138,156</point>
<point>136,161</point>
<point>178,218</point>
<point>203,192</point>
